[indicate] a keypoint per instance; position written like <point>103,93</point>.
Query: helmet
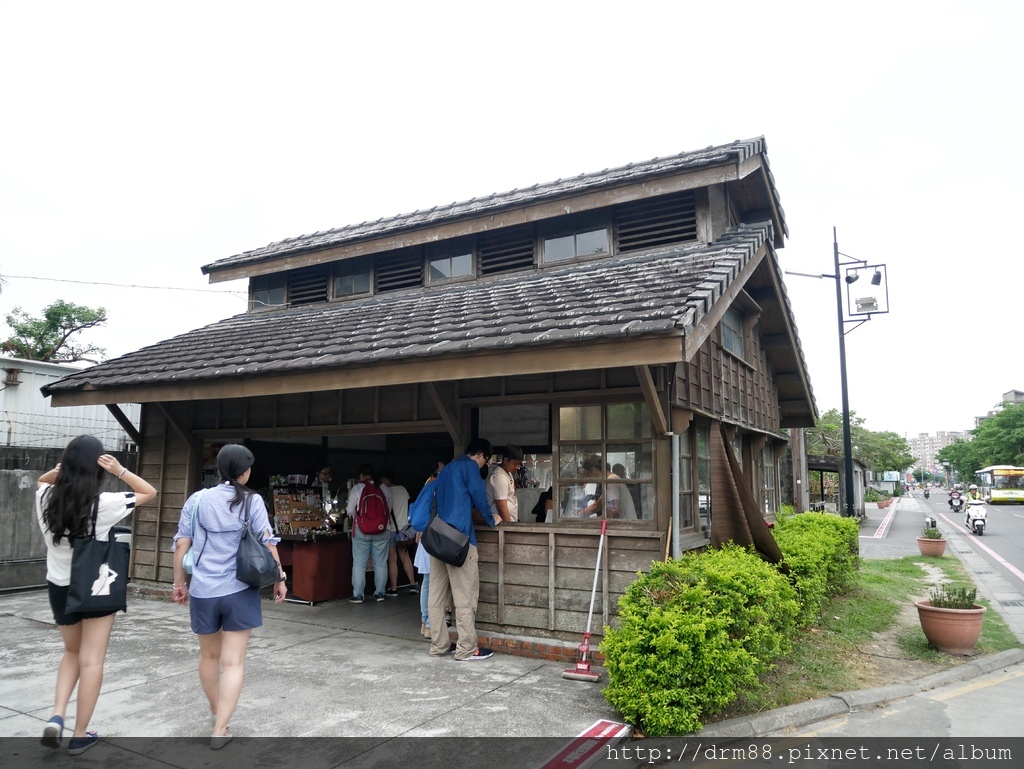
<point>972,487</point>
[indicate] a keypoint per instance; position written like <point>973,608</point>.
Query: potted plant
<point>951,620</point>
<point>931,542</point>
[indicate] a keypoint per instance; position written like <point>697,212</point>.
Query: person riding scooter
<point>972,494</point>
<point>926,492</point>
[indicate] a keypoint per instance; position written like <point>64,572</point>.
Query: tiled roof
<point>735,152</point>
<point>656,293</point>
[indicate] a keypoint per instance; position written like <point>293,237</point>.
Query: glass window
<point>704,476</point>
<point>267,291</point>
<point>577,423</point>
<point>605,462</point>
<point>628,420</point>
<point>686,480</point>
<point>771,504</point>
<point>352,284</point>
<point>451,260</point>
<point>583,241</point>
<point>732,332</point>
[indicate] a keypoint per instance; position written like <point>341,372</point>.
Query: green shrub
<point>821,552</point>
<point>693,634</point>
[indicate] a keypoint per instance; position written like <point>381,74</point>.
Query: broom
<point>582,671</point>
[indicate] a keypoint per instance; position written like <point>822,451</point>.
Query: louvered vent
<point>506,250</point>
<point>403,269</point>
<point>308,285</point>
<point>662,221</point>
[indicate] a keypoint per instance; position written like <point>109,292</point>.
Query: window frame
<point>575,226</point>
<point>275,281</point>
<point>447,250</point>
<point>349,270</point>
<point>603,446</point>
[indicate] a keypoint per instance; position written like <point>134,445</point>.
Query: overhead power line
<point>129,285</point>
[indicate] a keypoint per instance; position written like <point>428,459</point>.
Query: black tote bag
<point>99,573</point>
<point>254,563</point>
<point>444,541</point>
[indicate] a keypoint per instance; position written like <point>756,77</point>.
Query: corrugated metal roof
<point>735,152</point>
<point>652,294</point>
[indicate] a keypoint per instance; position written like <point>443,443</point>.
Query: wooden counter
<point>321,570</point>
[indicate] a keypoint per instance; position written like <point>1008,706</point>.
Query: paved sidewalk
<point>342,670</point>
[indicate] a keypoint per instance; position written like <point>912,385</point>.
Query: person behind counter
<point>64,503</point>
<point>223,610</point>
<point>501,486</point>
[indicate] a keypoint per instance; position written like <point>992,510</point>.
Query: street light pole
<point>847,439</point>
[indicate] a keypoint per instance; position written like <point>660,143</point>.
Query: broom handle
<point>597,570</point>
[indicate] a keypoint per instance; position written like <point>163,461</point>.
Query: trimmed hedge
<point>694,633</point>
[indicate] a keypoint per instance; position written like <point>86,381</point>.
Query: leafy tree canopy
<point>878,451</point>
<point>998,440</point>
<point>52,337</point>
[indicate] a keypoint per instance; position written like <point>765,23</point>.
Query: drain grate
<point>984,572</point>
<point>1011,603</point>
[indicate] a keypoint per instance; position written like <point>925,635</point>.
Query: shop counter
<point>321,568</point>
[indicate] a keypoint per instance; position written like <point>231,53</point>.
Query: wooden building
<point>618,313</point>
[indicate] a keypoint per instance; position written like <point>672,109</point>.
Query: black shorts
<point>58,595</point>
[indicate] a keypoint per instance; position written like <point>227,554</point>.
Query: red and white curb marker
<point>590,745</point>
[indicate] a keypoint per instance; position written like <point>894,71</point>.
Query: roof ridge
<point>741,148</point>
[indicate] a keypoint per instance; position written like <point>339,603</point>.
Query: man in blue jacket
<point>459,489</point>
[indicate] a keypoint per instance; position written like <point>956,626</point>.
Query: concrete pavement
<point>343,670</point>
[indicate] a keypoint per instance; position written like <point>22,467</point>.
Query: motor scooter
<point>977,516</point>
<point>956,502</point>
<point>926,493</point>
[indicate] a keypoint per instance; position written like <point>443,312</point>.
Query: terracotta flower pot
<point>933,548</point>
<point>954,631</point>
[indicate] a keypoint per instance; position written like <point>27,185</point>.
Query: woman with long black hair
<point>64,504</point>
<point>223,610</point>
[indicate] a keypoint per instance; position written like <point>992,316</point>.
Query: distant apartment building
<point>1010,398</point>
<point>924,447</point>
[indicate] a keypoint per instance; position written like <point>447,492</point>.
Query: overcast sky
<point>142,140</point>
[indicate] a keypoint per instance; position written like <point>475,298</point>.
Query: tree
<point>49,338</point>
<point>963,457</point>
<point>1000,439</point>
<point>877,451</point>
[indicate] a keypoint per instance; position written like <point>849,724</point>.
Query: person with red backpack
<point>369,506</point>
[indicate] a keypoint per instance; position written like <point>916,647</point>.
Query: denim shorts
<point>58,595</point>
<point>236,611</point>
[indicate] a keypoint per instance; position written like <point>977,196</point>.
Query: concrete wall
<point>22,549</point>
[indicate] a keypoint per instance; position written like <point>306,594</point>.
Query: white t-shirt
<point>501,485</point>
<point>399,506</point>
<point>114,505</point>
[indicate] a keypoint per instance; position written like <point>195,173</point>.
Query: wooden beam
<point>540,360</point>
<point>364,428</point>
<point>125,422</point>
<point>681,420</point>
<point>184,434</point>
<point>775,341</point>
<point>658,420</point>
<point>449,418</point>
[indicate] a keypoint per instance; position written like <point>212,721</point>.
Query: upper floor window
<point>453,259</point>
<point>267,291</point>
<point>581,236</point>
<point>732,332</point>
<point>351,283</point>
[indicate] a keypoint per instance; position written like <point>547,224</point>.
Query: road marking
<point>974,687</point>
<point>977,542</point>
<point>884,525</point>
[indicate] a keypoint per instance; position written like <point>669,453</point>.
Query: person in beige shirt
<point>501,486</point>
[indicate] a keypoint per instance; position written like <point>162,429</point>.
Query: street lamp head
<point>853,277</point>
<point>876,279</point>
